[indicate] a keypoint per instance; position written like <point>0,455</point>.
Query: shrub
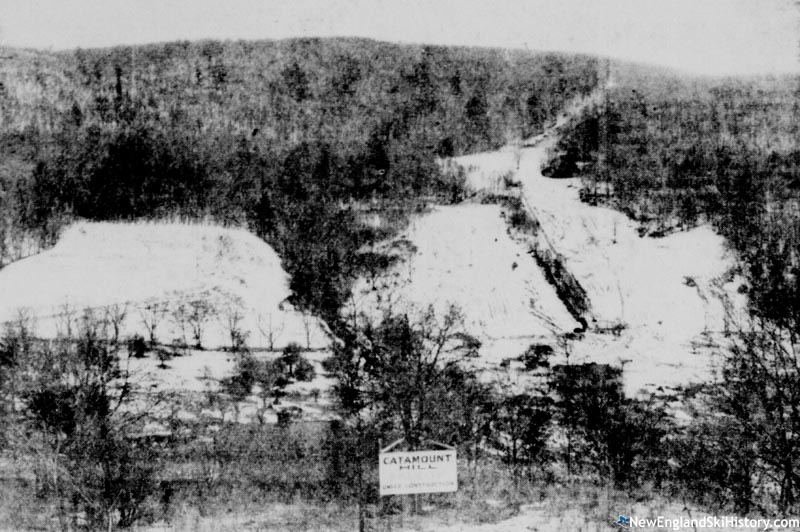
<point>245,375</point>
<point>271,378</point>
<point>291,355</point>
<point>164,355</point>
<point>519,219</point>
<point>304,370</point>
<point>536,356</point>
<point>137,346</point>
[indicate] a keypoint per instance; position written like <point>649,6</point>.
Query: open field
<point>155,273</point>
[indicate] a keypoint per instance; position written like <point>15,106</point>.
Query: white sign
<point>417,472</point>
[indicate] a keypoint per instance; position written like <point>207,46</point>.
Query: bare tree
<point>115,315</point>
<point>66,321</point>
<point>403,366</point>
<point>180,314</point>
<point>152,315</point>
<point>403,377</point>
<point>515,141</point>
<point>269,329</point>
<point>199,313</point>
<point>308,320</point>
<point>233,322</point>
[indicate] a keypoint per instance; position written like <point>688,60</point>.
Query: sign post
<point>412,472</point>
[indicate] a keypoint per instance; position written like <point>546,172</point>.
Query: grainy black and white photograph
<point>399,266</point>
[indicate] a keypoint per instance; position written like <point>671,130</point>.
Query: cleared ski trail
<point>667,296</point>
<point>463,255</point>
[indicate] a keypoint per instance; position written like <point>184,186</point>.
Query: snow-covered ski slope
<point>633,280</point>
<point>463,255</point>
<point>668,298</point>
<point>161,265</point>
<point>672,295</point>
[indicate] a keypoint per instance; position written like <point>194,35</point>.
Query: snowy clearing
<point>463,255</point>
<point>485,171</point>
<point>189,377</point>
<point>673,295</point>
<point>161,266</point>
<point>660,307</point>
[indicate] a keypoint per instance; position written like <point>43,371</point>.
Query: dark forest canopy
<point>283,137</point>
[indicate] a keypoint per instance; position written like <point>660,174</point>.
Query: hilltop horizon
<point>719,37</point>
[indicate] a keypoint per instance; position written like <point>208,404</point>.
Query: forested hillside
<point>672,153</point>
<point>306,143</point>
<point>282,137</point>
